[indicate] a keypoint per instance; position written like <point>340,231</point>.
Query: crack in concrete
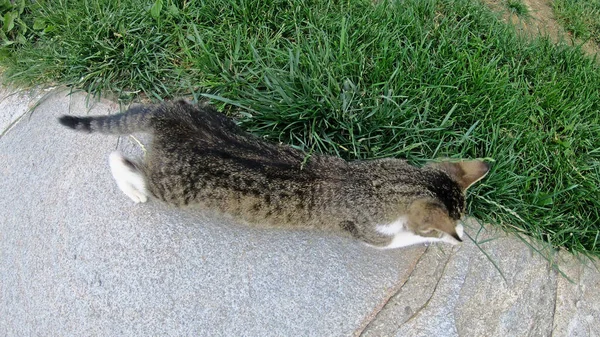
<point>432,293</point>
<point>459,293</point>
<point>554,308</point>
<point>372,317</point>
<point>12,124</point>
<point>466,275</point>
<point>31,96</point>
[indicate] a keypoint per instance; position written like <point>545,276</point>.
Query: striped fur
<point>200,158</point>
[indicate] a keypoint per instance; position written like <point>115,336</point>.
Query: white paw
<point>142,197</point>
<point>128,178</point>
<point>132,193</point>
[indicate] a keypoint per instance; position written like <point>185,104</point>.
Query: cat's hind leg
<point>129,178</point>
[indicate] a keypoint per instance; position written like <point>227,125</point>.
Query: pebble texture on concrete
<point>465,295</point>
<point>14,104</point>
<point>77,257</point>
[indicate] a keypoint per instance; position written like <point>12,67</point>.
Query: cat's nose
<point>455,235</point>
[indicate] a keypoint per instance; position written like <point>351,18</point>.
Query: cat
<point>199,157</point>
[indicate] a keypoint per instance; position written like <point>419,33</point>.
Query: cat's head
<point>439,214</point>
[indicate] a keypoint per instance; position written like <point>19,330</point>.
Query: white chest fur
<point>403,237</point>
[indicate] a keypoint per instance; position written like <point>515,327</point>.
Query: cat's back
<point>200,155</point>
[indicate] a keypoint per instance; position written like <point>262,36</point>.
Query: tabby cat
<point>199,157</point>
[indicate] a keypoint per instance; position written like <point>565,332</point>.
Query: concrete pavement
<point>78,258</point>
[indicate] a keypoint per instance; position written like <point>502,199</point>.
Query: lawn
<point>415,79</point>
<point>580,18</point>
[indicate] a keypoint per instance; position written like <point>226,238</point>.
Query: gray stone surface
<point>460,292</point>
<point>578,299</point>
<point>77,257</point>
<point>14,103</point>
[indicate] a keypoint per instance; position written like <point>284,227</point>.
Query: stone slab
<point>578,298</point>
<point>79,258</point>
<point>492,285</point>
<point>15,103</point>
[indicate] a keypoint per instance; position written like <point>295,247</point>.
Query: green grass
<point>580,18</point>
<point>415,79</point>
<point>517,7</point>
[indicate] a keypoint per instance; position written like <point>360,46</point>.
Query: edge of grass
<point>430,78</point>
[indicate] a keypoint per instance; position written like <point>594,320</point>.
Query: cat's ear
<point>427,217</point>
<point>465,173</point>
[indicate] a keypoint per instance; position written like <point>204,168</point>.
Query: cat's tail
<point>135,119</point>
